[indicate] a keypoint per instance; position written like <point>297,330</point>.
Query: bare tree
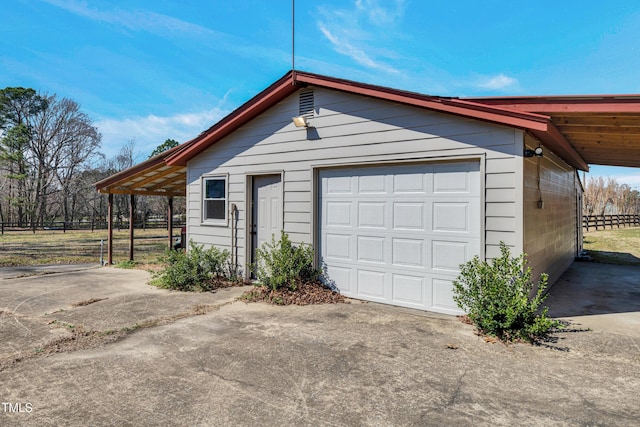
<point>46,142</point>
<point>607,196</point>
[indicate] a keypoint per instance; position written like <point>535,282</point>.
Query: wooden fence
<point>63,226</point>
<point>601,222</point>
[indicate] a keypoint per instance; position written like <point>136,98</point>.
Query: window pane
<point>214,209</point>
<point>214,189</point>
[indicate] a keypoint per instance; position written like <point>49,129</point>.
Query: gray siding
<point>550,234</point>
<point>354,130</point>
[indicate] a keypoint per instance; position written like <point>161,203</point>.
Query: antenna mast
<point>293,35</point>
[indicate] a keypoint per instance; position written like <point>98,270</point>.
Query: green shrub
<point>281,264</point>
<point>194,270</point>
<point>500,299</point>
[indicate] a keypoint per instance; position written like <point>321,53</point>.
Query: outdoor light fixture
<point>531,153</point>
<point>301,122</point>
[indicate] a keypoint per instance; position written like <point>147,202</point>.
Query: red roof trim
<point>255,106</point>
<point>291,82</point>
<point>559,144</point>
<point>615,104</point>
<point>447,105</point>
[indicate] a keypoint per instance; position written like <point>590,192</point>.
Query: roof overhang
<point>538,124</point>
<point>153,177</point>
<point>602,129</point>
<point>582,130</point>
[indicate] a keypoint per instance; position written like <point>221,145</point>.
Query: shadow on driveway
<point>600,296</point>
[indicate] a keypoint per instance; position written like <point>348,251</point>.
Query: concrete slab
<point>36,270</point>
<point>603,297</point>
<point>336,365</point>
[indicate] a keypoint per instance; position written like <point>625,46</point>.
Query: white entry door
<point>267,210</point>
<point>397,234</point>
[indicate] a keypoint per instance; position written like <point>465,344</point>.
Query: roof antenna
<point>293,40</point>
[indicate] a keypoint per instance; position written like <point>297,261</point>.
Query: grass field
<point>56,247</point>
<point>617,246</point>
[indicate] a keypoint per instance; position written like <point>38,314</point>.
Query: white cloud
<point>132,20</point>
<point>498,82</point>
<point>381,15</point>
<point>343,47</point>
<point>168,27</point>
<point>151,131</point>
<point>360,33</point>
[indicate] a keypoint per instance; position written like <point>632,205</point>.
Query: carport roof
<point>582,130</point>
<point>603,129</point>
<point>153,177</point>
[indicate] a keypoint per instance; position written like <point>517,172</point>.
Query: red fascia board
<point>252,108</point>
<point>447,105</point>
<point>615,104</point>
<point>292,81</point>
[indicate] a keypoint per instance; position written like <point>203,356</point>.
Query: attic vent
<point>306,104</point>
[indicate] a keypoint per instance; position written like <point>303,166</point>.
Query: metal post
<point>170,222</point>
<point>110,230</point>
<point>132,216</point>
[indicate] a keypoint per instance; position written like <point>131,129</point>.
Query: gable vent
<point>306,104</point>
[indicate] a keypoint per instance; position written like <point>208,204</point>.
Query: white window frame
<point>203,184</point>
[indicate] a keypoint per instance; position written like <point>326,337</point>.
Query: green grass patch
<point>618,246</point>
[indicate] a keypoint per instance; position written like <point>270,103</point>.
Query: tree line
<point>606,196</point>
<point>50,160</point>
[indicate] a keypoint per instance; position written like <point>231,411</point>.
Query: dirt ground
<point>101,347</point>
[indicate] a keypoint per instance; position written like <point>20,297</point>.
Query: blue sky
<point>149,70</point>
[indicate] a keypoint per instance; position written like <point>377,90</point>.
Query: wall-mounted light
<point>301,122</point>
<point>531,153</point>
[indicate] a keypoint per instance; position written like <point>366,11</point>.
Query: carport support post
<point>170,222</point>
<point>132,201</point>
<point>110,230</point>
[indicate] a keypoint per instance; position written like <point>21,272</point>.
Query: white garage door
<point>397,234</point>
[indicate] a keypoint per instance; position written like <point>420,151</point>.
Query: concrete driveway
<point>602,297</point>
<point>157,363</point>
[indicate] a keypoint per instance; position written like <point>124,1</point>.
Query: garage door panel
<point>339,185</point>
<point>371,214</point>
<point>401,234</point>
<point>447,255</point>
<point>408,252</point>
<point>442,296</point>
<point>409,183</point>
<point>408,216</point>
<point>340,278</point>
<point>453,178</point>
<point>338,246</point>
<point>408,289</point>
<point>451,216</point>
<point>371,249</point>
<point>371,283</point>
<point>371,184</point>
<point>338,214</point>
